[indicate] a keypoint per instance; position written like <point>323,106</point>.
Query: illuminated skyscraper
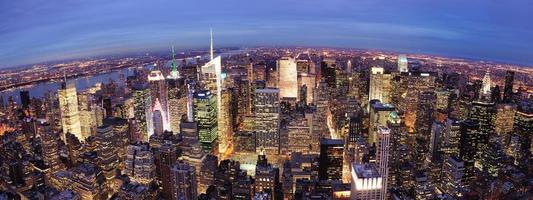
<point>383,157</point>
<point>158,90</point>
<point>205,114</point>
<point>402,63</point>
<point>177,101</point>
<point>107,151</point>
<point>50,149</point>
<point>366,182</point>
<point>288,78</point>
<point>467,147</point>
<point>485,89</point>
<point>142,103</point>
<point>523,129</point>
<point>379,115</point>
<point>267,111</point>
<point>68,104</point>
<point>380,85</point>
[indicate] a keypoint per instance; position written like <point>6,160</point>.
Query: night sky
<point>38,30</point>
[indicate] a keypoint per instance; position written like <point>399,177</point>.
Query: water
<point>40,89</point>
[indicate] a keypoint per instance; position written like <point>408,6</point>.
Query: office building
<point>159,94</point>
<point>366,182</point>
<point>288,77</point>
<point>267,119</point>
<point>508,87</point>
<point>142,103</point>
<point>205,114</point>
<point>403,63</point>
<point>330,159</point>
<point>68,104</point>
<point>184,185</point>
<point>383,156</point>
<point>139,164</point>
<point>380,85</point>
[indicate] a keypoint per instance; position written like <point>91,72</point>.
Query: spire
<point>211,49</point>
<point>174,73</point>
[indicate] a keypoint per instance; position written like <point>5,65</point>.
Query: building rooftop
<point>365,170</point>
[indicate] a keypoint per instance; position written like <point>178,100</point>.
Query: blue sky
<point>38,30</point>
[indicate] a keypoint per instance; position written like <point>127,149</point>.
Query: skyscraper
<point>486,87</point>
<point>68,104</point>
<point>25,98</point>
<point>288,78</point>
<point>523,128</point>
<point>142,103</point>
<point>331,159</point>
<point>402,63</point>
<point>328,66</point>
<point>184,185</point>
<point>380,85</point>
<point>267,111</point>
<point>167,159</point>
<point>383,157</point>
<point>49,144</point>
<point>366,182</point>
<point>508,87</point>
<point>177,101</point>
<point>205,114</point>
<point>379,115</point>
<point>139,164</point>
<point>467,147</point>
<point>159,94</point>
<point>452,181</point>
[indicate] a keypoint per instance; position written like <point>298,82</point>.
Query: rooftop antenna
<point>211,49</point>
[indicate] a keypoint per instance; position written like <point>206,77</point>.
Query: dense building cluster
<point>273,124</point>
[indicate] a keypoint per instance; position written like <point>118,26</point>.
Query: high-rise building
<point>508,87</point>
<point>267,121</point>
<point>50,149</point>
<point>355,127</point>
<point>504,120</point>
<point>266,176</point>
<point>205,114</point>
<point>486,87</point>
<point>139,164</point>
<point>467,147</point>
<point>184,185</point>
<point>107,152</point>
<point>403,63</point>
<point>383,157</point>
<point>523,128</point>
<point>159,94</point>
<point>87,181</point>
<point>68,104</point>
<point>142,103</point>
<point>207,173</point>
<point>452,181</point>
<point>328,68</point>
<point>25,98</point>
<point>380,85</point>
<point>424,120</point>
<point>366,182</point>
<point>177,101</point>
<point>330,159</point>
<point>166,161</point>
<point>300,136</point>
<point>288,77</point>
<point>483,113</point>
<point>379,115</point>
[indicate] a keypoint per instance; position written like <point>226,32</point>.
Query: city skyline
<point>38,32</point>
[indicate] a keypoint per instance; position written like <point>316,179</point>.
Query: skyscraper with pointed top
<point>174,73</point>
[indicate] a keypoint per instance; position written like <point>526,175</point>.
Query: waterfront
<point>40,89</point>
